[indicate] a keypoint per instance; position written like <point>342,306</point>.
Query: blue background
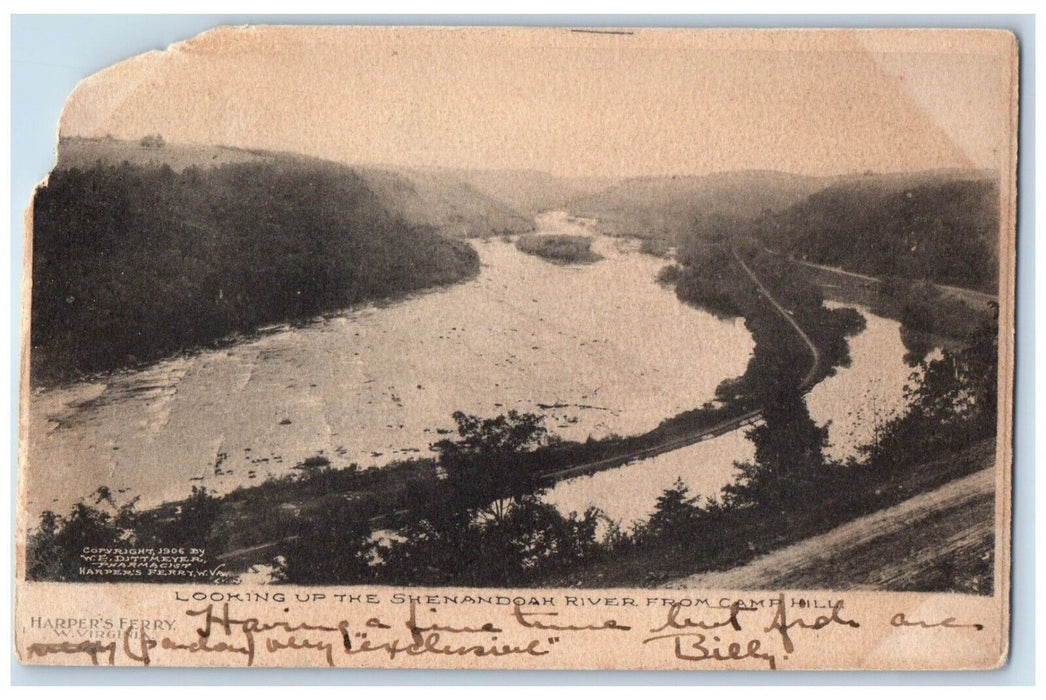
<point>50,54</point>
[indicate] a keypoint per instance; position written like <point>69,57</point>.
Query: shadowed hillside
<point>940,226</point>
<point>135,262</point>
<point>445,201</point>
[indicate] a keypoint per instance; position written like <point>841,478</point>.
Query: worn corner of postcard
<point>518,348</point>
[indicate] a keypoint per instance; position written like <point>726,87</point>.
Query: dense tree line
<point>131,263</point>
<point>481,523</point>
<point>952,401</point>
<point>55,547</point>
<point>791,491</point>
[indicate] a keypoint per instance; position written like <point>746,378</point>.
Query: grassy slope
<point>941,539</point>
<point>75,152</point>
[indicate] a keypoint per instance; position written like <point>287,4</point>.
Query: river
<point>598,349</point>
<point>852,402</point>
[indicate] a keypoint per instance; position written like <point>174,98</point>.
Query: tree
<point>44,558</point>
<point>789,458</point>
<point>54,548</point>
<point>675,515</point>
<point>511,432</point>
<point>335,546</point>
<point>952,402</point>
<point>533,540</point>
<point>484,522</point>
<point>484,470</point>
<point>196,517</point>
<point>152,141</point>
<point>530,542</point>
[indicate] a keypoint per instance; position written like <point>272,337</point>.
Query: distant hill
<point>940,226</point>
<point>442,199</point>
<point>667,207</point>
<point>531,192</point>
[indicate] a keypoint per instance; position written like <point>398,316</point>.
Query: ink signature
<point>704,646</point>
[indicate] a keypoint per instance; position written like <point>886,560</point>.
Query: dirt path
<point>889,549</point>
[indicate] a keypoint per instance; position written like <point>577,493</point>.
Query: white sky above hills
<point>576,104</point>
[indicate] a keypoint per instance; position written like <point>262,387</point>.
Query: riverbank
<point>378,383</point>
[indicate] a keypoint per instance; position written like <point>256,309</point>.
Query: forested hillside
<point>132,263</point>
<point>937,227</point>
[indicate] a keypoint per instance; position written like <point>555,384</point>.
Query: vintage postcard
<point>517,348</point>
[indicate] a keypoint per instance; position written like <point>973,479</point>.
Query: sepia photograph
<point>525,320</point>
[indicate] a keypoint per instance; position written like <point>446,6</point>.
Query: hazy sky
<point>653,102</point>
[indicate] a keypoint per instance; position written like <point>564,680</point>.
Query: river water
<point>862,397</point>
<point>852,402</point>
<point>598,349</point>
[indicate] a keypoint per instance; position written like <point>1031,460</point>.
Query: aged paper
<point>525,348</point>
